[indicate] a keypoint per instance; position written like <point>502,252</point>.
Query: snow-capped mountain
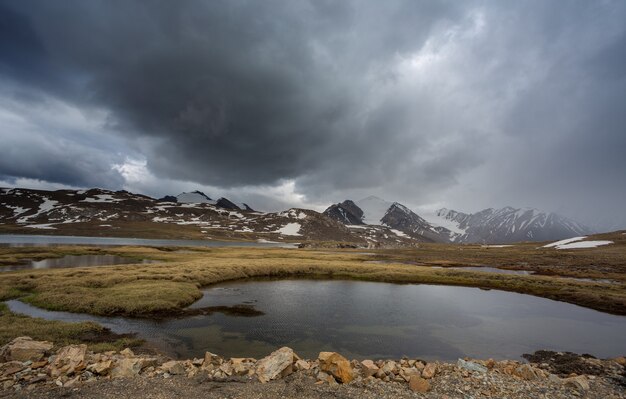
<point>98,212</point>
<point>504,225</point>
<point>507,225</point>
<point>398,218</point>
<point>198,197</point>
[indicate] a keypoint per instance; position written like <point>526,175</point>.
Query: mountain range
<point>369,222</point>
<point>505,225</point>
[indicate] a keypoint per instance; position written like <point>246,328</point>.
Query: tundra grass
<point>96,337</point>
<point>145,290</point>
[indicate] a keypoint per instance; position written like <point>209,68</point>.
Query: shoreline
<point>31,368</point>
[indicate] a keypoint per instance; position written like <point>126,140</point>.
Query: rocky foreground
<point>29,368</point>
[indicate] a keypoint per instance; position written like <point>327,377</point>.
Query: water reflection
<point>374,320</point>
<point>75,261</point>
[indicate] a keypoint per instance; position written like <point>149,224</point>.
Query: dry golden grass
<point>148,289</point>
<point>97,338</point>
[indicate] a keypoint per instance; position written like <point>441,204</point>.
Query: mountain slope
<point>120,213</point>
<point>508,225</point>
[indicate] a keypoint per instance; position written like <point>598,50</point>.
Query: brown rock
<point>23,349</point>
<point>390,367</point>
<point>579,382</point>
<point>620,360</point>
<point>211,359</point>
<point>127,353</point>
<point>429,371</point>
<point>336,365</point>
<point>273,365</point>
<point>407,372</point>
<point>101,368</point>
<point>369,368</point>
<point>173,367</point>
<point>302,365</point>
<point>10,368</point>
<point>69,360</point>
<point>419,384</point>
<point>526,372</point>
<point>126,368</point>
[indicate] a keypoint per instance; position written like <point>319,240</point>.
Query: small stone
<point>369,368</point>
<point>526,372</point>
<point>429,371</point>
<point>302,365</point>
<point>173,367</point>
<point>197,362</point>
<point>390,367</point>
<point>579,382</point>
<point>101,368</point>
<point>419,384</point>
<point>471,366</point>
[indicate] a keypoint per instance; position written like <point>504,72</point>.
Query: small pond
<point>372,320</point>
<point>74,261</point>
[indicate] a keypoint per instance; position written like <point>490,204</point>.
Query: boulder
<point>173,367</point>
<point>369,368</point>
<point>127,353</point>
<point>273,365</point>
<point>429,371</point>
<point>126,368</point>
<point>579,382</point>
<point>419,384</point>
<point>69,360</point>
<point>23,349</point>
<point>211,359</point>
<point>407,372</point>
<point>336,365</point>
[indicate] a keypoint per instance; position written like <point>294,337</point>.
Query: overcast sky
<point>463,104</point>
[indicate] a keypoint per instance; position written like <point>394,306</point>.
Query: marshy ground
<point>165,288</point>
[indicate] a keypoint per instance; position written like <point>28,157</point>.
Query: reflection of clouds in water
<point>363,319</point>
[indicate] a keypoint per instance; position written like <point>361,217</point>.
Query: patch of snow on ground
<point>45,206</point>
<point>398,233</point>
<point>290,229</point>
<point>356,226</point>
<point>47,226</point>
<point>495,246</point>
<point>563,242</point>
<point>102,198</point>
<point>584,244</point>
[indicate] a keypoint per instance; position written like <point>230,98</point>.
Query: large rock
<point>23,349</point>
<point>275,364</point>
<point>127,368</point>
<point>69,360</point>
<point>336,365</point>
<point>102,368</point>
<point>10,368</point>
<point>419,384</point>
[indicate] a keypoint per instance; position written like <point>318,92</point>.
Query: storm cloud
<point>464,104</point>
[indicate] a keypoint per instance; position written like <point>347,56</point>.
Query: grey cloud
<point>482,103</point>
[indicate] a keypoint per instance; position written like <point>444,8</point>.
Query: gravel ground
<point>302,386</point>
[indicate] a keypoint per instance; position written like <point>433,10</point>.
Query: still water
<point>373,320</point>
<point>20,240</point>
<point>75,261</point>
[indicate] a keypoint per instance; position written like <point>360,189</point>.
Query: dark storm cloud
<point>473,103</point>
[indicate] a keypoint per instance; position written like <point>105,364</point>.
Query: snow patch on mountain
<point>194,197</point>
<point>290,229</point>
<point>563,242</point>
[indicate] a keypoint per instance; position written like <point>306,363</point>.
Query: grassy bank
<point>145,290</point>
<point>97,338</point>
